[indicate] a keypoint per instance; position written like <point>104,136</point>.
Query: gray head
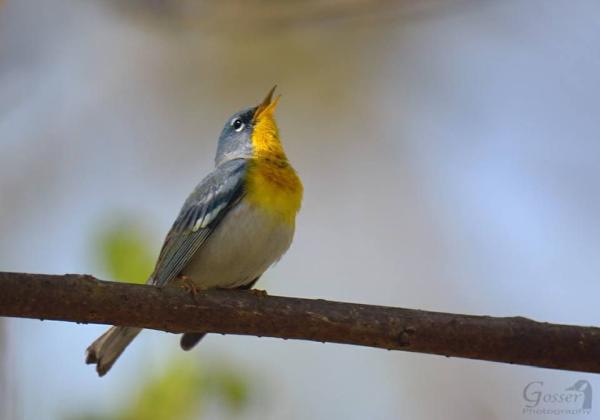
<point>235,140</point>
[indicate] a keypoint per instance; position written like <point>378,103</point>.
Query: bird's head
<point>251,132</point>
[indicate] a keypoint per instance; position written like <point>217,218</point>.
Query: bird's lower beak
<point>268,104</point>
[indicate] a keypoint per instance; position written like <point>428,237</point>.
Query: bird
<point>237,222</point>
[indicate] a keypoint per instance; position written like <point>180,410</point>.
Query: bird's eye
<point>237,124</point>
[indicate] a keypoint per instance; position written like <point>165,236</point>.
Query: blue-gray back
<point>199,216</point>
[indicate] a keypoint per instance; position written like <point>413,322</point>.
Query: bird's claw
<point>188,285</point>
<point>259,293</point>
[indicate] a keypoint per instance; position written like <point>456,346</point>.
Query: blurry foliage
<point>261,15</point>
<point>175,394</point>
<point>123,252</point>
<point>231,387</point>
<point>181,392</point>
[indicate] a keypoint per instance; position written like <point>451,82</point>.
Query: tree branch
<point>84,299</point>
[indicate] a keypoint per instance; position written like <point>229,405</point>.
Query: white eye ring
<point>237,125</point>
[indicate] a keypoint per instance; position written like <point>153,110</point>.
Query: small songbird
<point>238,221</point>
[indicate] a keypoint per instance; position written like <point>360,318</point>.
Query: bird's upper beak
<point>267,106</point>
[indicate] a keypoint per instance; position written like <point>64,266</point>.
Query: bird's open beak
<point>267,106</point>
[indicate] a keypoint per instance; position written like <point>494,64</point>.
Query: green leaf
<point>177,394</point>
<point>234,389</point>
<point>123,252</point>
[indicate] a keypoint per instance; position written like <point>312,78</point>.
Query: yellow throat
<point>271,182</point>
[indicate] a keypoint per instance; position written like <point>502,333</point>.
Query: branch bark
<point>84,299</point>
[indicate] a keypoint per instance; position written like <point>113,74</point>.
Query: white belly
<point>240,249</point>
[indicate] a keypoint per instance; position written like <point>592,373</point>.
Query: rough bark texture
<point>84,299</point>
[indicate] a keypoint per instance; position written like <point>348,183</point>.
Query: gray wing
<point>200,214</point>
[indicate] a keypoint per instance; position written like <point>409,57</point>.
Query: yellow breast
<point>271,182</point>
<point>275,188</point>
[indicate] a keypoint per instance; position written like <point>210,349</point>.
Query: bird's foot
<point>259,293</point>
<point>187,283</point>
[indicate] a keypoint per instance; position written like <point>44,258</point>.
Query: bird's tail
<point>189,340</point>
<point>108,347</point>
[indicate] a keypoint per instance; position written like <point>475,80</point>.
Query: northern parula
<point>238,221</point>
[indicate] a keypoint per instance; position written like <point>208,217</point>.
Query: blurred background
<point>450,157</point>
